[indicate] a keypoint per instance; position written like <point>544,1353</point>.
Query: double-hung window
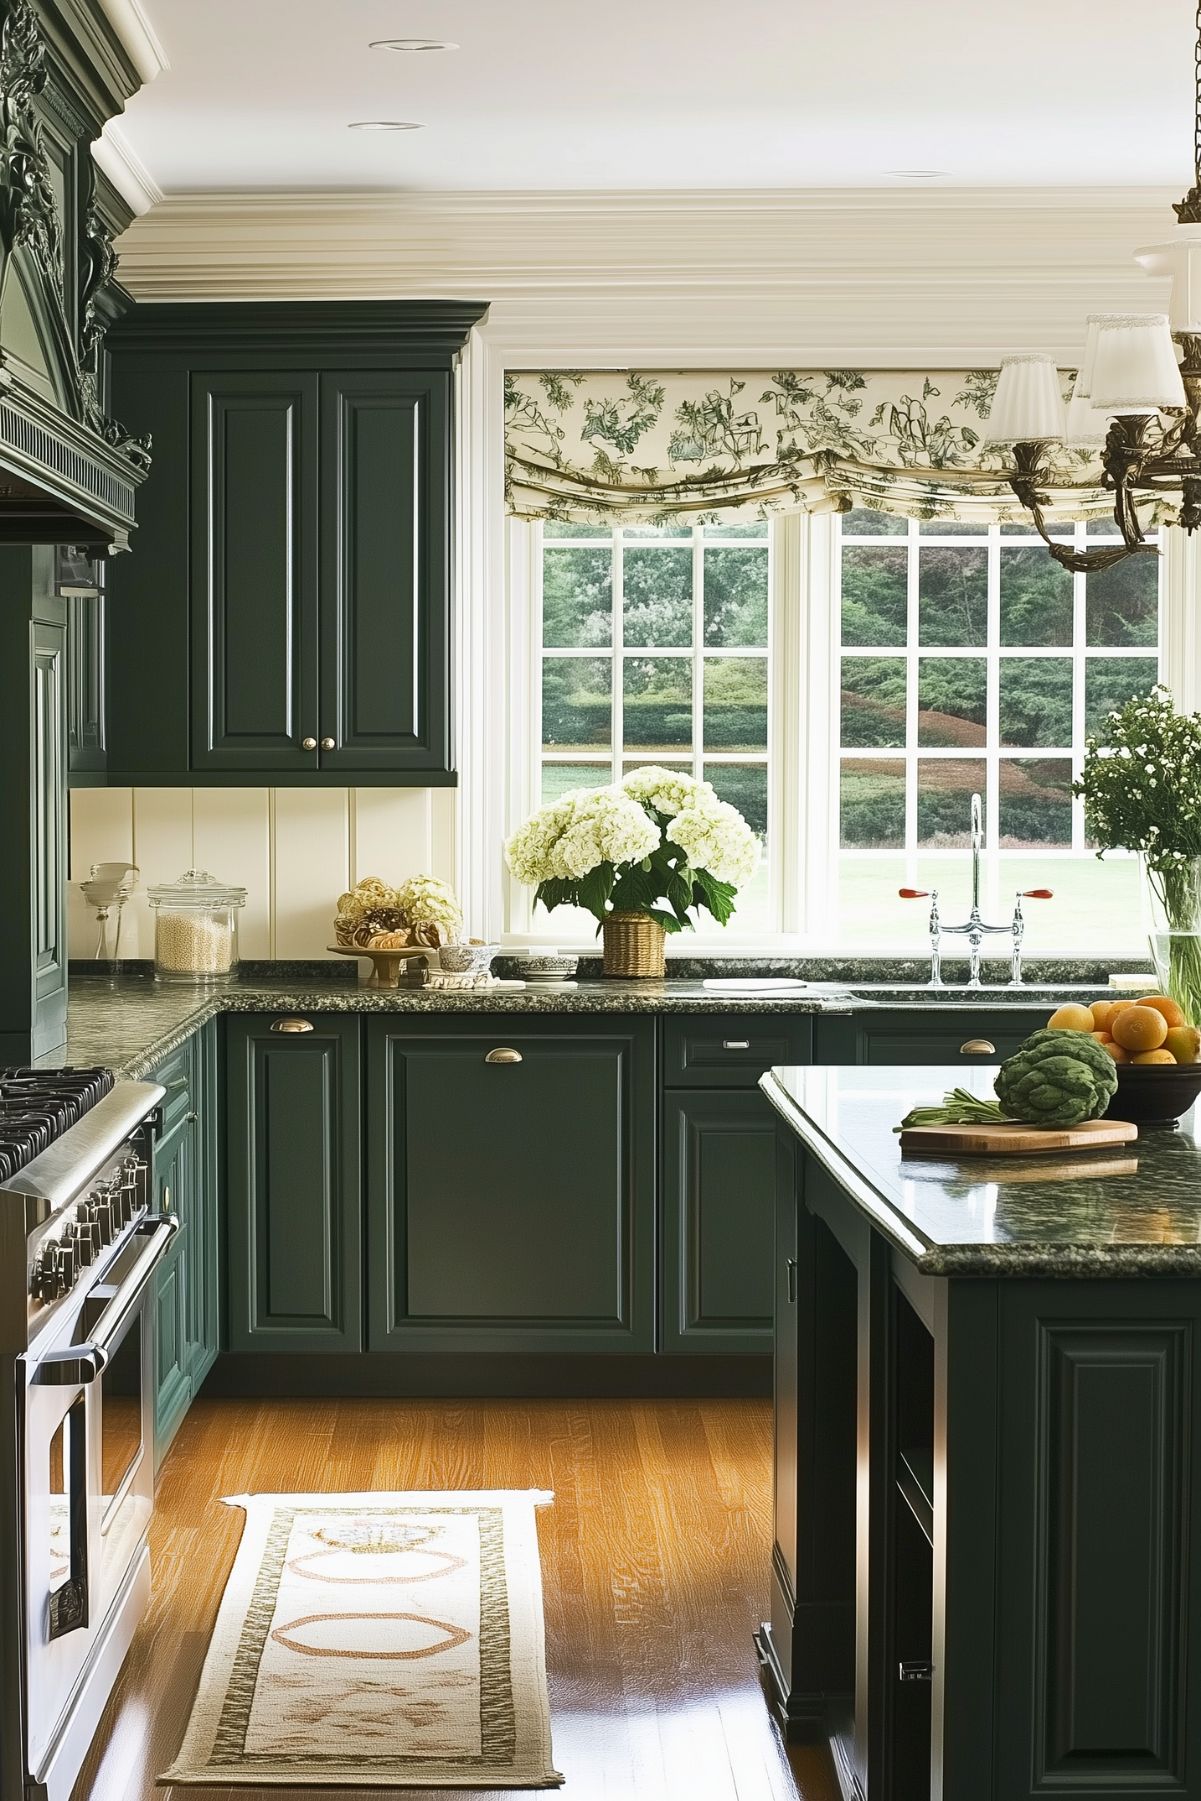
<point>655,648</point>
<point>971,662</point>
<point>950,660</point>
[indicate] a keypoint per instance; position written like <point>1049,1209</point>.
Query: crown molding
<point>129,20</point>
<point>883,276</point>
<point>118,160</point>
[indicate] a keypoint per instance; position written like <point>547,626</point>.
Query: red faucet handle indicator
<point>914,893</point>
<point>1038,894</point>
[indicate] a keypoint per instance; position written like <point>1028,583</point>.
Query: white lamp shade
<point>1027,407</point>
<point>1181,261</point>
<point>1092,331</point>
<point>1087,426</point>
<point>1135,368</point>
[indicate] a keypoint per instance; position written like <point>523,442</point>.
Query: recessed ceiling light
<point>412,44</point>
<point>383,125</point>
<point>916,174</point>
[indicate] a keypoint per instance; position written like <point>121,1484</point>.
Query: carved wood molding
<point>30,225</point>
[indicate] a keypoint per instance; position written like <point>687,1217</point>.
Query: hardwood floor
<point>654,1554</point>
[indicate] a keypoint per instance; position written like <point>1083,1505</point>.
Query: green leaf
<point>593,890</point>
<point>719,897</point>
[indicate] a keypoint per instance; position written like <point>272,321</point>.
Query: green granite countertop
<point>1132,1210</point>
<point>132,1022</point>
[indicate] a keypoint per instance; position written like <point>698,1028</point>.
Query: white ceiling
<point>613,94</point>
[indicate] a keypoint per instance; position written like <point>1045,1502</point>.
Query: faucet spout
<point>977,848</point>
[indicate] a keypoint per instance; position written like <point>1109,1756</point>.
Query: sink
<point>990,994</point>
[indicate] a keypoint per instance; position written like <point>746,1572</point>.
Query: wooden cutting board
<point>1017,1140</point>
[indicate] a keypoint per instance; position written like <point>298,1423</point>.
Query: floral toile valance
<point>642,447</point>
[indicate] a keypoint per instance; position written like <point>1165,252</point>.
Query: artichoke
<point>1057,1079</point>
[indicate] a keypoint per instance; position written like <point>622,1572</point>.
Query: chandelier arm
<point>1188,210</point>
<point>1026,481</point>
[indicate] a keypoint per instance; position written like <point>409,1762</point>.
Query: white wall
<point>293,849</point>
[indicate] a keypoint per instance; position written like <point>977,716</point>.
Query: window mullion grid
<point>617,655</point>
<point>698,648</point>
<point>1079,674</point>
<point>912,573</point>
<point>992,726</point>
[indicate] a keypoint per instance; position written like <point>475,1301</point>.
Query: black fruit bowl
<point>1155,1094</point>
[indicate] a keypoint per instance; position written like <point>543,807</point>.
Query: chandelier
<point>1136,398</point>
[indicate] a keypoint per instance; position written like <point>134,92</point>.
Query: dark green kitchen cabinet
<point>720,1162</point>
<point>174,1171</point>
<point>86,751</point>
<point>511,1184</point>
<point>33,807</point>
<point>294,1194</point>
<point>187,1178</point>
<point>931,1035</point>
<point>291,575</point>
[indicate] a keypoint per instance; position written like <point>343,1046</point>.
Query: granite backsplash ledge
<point>1037,971</point>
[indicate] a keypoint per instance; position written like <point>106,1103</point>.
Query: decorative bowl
<point>549,966</point>
<point>1155,1094</point>
<point>469,959</point>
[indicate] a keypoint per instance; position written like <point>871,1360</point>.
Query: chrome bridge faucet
<point>975,930</point>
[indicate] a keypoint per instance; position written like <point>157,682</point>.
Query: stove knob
<point>67,1269</point>
<point>134,1172</point>
<point>103,1216</point>
<point>80,1234</point>
<point>47,1281</point>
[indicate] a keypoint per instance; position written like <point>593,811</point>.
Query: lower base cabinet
<point>511,1184</point>
<point>293,1159</point>
<point>721,1155</point>
<point>187,1297</point>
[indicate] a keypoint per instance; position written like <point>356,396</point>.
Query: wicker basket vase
<point>633,945</point>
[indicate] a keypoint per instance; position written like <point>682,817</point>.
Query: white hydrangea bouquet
<point>654,849</point>
<point>422,911</point>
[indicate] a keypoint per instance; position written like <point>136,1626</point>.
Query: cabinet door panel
<point>254,552</point>
<point>85,679</point>
<point>385,520</point>
<point>293,1186</point>
<point>49,728</point>
<point>719,1189</point>
<point>528,1223</point>
<point>172,1375</point>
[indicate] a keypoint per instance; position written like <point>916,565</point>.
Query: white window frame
<point>803,731</point>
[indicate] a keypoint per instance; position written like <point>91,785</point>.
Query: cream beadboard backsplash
<point>293,850</point>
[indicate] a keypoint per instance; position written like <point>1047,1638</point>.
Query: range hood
<point>68,473</point>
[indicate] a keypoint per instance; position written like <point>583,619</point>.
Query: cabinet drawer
<point>903,1038</point>
<point>176,1072</point>
<point>733,1050</point>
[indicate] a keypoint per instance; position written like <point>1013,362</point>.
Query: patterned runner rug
<point>377,1640</point>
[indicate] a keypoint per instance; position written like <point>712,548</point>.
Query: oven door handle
<point>83,1363</point>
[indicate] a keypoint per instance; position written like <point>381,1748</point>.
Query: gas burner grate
<point>39,1105</point>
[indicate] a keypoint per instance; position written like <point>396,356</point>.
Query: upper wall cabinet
<point>291,576</point>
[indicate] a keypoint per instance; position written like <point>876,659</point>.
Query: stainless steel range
<point>79,1239</point>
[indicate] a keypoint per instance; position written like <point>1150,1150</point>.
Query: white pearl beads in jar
<point>193,944</point>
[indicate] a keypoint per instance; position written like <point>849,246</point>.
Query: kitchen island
<point>987,1561</point>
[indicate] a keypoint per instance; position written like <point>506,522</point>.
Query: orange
<point>1102,1037</point>
<point>1153,1057</point>
<point>1070,1018</point>
<point>1117,1053</point>
<point>1101,1012</point>
<point>1172,1011</point>
<point>1140,1028</point>
<point>1184,1042</point>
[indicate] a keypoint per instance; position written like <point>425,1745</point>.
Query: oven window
<point>61,1476</point>
<point>121,1412</point>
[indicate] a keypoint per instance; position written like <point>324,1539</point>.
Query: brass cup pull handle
<point>327,744</point>
<point>291,1025</point>
<point>977,1047</point>
<point>308,744</point>
<point>503,1054</point>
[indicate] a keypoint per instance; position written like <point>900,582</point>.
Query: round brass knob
<point>503,1054</point>
<point>977,1047</point>
<point>327,744</point>
<point>291,1025</point>
<point>308,744</point>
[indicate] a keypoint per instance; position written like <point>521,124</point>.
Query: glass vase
<point>1173,895</point>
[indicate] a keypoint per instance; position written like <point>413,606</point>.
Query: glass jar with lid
<point>196,928</point>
